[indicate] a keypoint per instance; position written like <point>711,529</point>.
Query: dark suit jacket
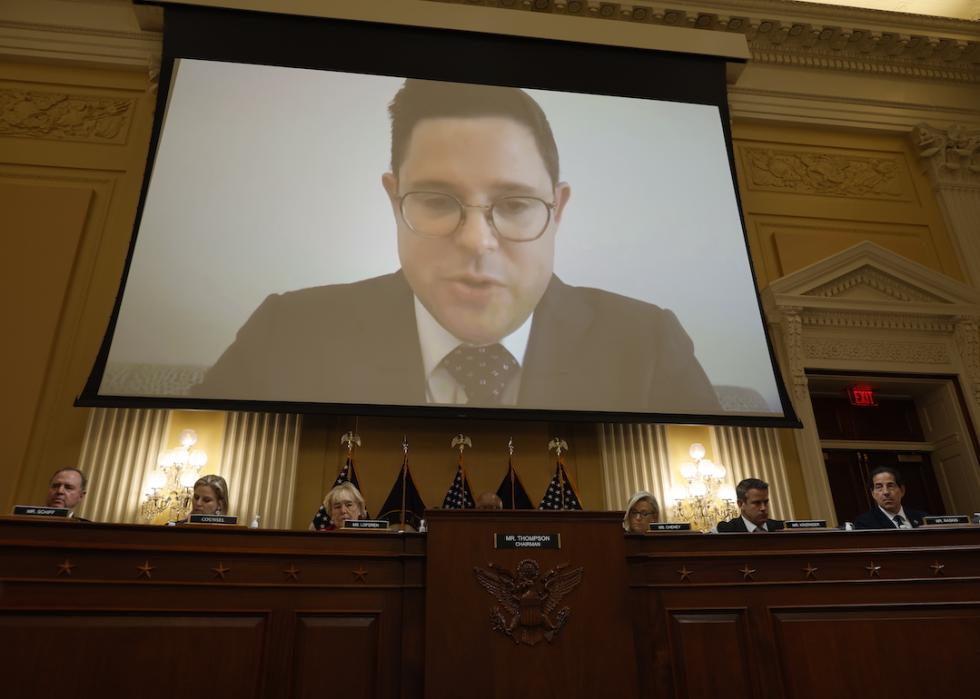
<point>876,519</point>
<point>738,525</point>
<point>358,343</point>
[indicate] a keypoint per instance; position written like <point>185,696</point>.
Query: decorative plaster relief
<point>952,154</point>
<point>877,321</point>
<point>968,343</point>
<point>60,116</point>
<point>870,277</point>
<point>876,351</point>
<point>821,173</point>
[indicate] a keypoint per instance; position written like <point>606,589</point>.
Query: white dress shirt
<point>750,525</point>
<point>901,512</point>
<point>436,342</point>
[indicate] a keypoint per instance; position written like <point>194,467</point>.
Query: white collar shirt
<point>751,527</point>
<point>436,342</point>
<point>906,524</point>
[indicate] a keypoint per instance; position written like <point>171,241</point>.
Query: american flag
<point>321,520</point>
<point>459,496</point>
<point>560,494</point>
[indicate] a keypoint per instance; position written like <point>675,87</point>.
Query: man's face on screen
<point>478,285</point>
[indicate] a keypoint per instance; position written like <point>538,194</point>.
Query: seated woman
<point>641,510</point>
<point>210,496</point>
<point>343,502</point>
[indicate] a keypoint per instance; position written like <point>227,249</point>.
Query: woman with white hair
<point>343,502</point>
<point>641,510</point>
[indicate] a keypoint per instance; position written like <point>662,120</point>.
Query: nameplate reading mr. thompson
<point>527,541</point>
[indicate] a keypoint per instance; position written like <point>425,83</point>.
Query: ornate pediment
<point>870,278</point>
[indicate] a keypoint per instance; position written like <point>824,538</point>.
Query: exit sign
<point>862,395</point>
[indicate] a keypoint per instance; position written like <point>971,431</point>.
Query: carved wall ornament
<point>821,39</point>
<point>955,148</point>
<point>60,116</point>
<point>873,278</point>
<point>528,601</point>
<point>967,336</point>
<point>876,350</point>
<point>822,173</point>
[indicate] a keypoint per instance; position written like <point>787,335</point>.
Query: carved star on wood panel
<point>145,570</point>
<point>937,568</point>
<point>220,570</point>
<point>873,570</point>
<point>291,573</point>
<point>685,574</point>
<point>747,573</point>
<point>360,574</point>
<point>65,568</point>
<point>811,572</point>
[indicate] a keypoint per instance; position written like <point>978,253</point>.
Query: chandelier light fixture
<point>706,499</point>
<point>171,485</point>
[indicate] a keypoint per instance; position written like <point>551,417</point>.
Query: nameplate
<point>36,511</point>
<point>946,519</point>
<point>670,527</point>
<point>806,524</point>
<point>526,541</point>
<point>366,524</point>
<point>213,519</point>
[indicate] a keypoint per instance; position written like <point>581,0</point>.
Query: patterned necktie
<point>483,372</point>
<point>899,521</point>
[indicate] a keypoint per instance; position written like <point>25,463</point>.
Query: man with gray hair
<point>752,495</point>
<point>67,489</point>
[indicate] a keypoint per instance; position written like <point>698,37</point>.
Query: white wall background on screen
<point>242,207</point>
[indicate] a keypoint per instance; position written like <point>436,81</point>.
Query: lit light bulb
<point>188,479</point>
<point>198,458</point>
<point>726,492</point>
<point>688,470</point>
<point>706,468</point>
<point>157,480</point>
<point>677,493</point>
<point>188,438</point>
<point>696,451</point>
<point>699,489</point>
<point>720,471</point>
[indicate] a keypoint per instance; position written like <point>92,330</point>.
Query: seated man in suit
<point>752,496</point>
<point>67,489</point>
<point>476,314</point>
<point>887,489</point>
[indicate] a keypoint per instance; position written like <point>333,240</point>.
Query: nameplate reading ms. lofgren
<point>365,524</point>
<point>946,519</point>
<point>670,526</point>
<point>806,524</point>
<point>36,511</point>
<point>526,541</point>
<point>214,519</point>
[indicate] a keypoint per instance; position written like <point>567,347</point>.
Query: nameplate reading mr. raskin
<point>670,526</point>
<point>946,519</point>
<point>527,541</point>
<point>214,519</point>
<point>365,524</point>
<point>36,511</point>
<point>806,524</point>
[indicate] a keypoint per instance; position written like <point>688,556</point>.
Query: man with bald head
<point>67,489</point>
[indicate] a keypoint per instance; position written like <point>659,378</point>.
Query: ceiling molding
<point>800,34</point>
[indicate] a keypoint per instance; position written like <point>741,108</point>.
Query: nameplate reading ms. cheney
<point>670,526</point>
<point>527,541</point>
<point>35,511</point>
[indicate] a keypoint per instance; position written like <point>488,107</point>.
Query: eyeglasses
<point>636,514</point>
<point>438,215</point>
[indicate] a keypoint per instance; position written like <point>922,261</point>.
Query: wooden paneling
<point>54,652</point>
<point>924,648</point>
<point>709,650</point>
<point>336,653</point>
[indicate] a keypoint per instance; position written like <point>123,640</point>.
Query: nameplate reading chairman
<point>476,314</point>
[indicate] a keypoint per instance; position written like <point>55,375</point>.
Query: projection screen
<point>587,247</point>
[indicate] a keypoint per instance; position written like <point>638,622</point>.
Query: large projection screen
<point>282,259</point>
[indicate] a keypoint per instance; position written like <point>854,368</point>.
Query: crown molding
<point>778,32</point>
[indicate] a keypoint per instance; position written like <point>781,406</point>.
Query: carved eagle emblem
<point>528,601</point>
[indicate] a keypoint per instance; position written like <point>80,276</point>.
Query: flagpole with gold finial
<point>510,474</point>
<point>401,518</point>
<point>558,445</point>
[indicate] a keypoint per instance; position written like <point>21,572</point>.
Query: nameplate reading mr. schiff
<point>946,519</point>
<point>527,541</point>
<point>365,524</point>
<point>806,524</point>
<point>670,526</point>
<point>214,519</point>
<point>36,511</point>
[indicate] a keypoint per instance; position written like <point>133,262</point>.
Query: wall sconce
<point>707,499</point>
<point>171,485</point>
